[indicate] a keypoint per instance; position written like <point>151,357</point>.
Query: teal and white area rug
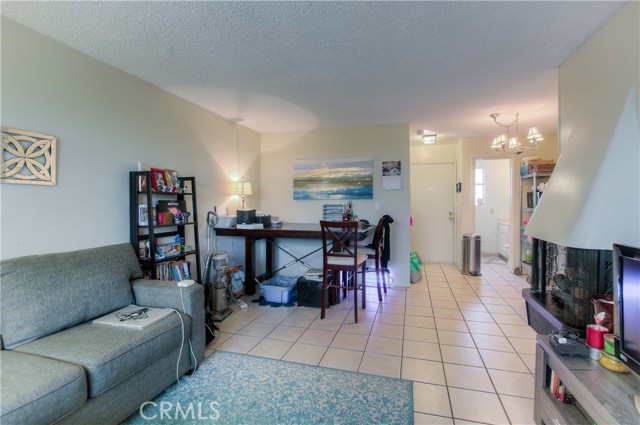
<point>231,388</point>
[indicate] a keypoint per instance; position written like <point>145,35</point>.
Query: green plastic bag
<point>415,262</point>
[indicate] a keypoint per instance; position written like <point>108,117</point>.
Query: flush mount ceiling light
<point>428,138</point>
<point>509,142</point>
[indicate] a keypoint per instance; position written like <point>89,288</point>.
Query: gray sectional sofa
<point>58,367</point>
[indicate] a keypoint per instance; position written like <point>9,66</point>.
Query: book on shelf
<point>174,271</point>
<point>176,208</point>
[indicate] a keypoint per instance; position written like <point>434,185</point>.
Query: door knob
<point>450,215</point>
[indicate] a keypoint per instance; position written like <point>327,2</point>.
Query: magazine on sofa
<point>133,317</point>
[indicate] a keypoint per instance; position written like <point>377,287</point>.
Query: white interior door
<point>432,209</point>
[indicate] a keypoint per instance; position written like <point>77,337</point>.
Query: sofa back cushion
<point>43,294</point>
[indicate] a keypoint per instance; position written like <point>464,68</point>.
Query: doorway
<point>492,199</point>
<point>432,210</point>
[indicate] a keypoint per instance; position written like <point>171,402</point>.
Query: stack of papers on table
<point>313,274</point>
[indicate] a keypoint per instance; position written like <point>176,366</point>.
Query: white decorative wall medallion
<point>27,157</point>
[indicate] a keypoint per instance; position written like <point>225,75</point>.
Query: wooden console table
<point>602,397</point>
<point>283,231</point>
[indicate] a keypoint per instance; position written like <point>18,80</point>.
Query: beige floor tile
<point>523,345</point>
<point>286,333</point>
<point>257,329</point>
<point>451,325</point>
<point>239,344</point>
<point>390,309</point>
<point>305,353</point>
<point>368,315</point>
<point>477,316</point>
<point>388,331</point>
<point>447,313</point>
<point>247,314</point>
<point>421,350</point>
<point>423,370</point>
<point>326,324</point>
<point>445,297</point>
<point>390,319</point>
<point>338,358</point>
<point>336,314</point>
<point>414,300</point>
<point>468,377</point>
<point>276,316</point>
<point>382,345</point>
<point>530,361</point>
<point>492,342</point>
<point>381,364</point>
<point>503,361</point>
<point>431,399</point>
<point>361,328</point>
<point>391,299</point>
<point>231,325</point>
<point>477,406</point>
<point>420,334</point>
<point>508,319</point>
<point>493,301</point>
<point>350,341</point>
<point>484,328</point>
<point>220,338</point>
<point>518,331</point>
<point>439,289</point>
<point>460,339</point>
<point>468,299</point>
<point>301,322</point>
<point>424,419</point>
<point>271,348</point>
<point>414,310</point>
<point>419,322</point>
<point>513,383</point>
<point>444,304</point>
<point>317,337</point>
<point>501,309</point>
<point>519,410</point>
<point>461,355</point>
<point>467,306</point>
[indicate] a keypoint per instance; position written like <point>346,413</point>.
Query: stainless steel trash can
<point>471,254</point>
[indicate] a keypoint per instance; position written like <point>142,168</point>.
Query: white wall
<point>497,201</point>
<point>382,143</point>
<point>105,121</point>
<point>593,197</point>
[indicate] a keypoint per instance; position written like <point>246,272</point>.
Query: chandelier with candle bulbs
<point>509,142</point>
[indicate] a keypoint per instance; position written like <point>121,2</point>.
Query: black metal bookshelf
<point>153,232</point>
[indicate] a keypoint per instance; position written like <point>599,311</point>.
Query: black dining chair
<point>341,262</point>
<point>374,252</point>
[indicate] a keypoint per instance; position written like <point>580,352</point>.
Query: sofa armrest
<point>163,294</point>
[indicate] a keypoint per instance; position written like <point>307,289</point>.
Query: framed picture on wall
<point>391,175</point>
<point>333,178</point>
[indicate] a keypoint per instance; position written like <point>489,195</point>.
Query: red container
<point>595,336</point>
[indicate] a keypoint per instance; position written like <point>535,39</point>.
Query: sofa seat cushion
<point>111,354</point>
<point>39,390</point>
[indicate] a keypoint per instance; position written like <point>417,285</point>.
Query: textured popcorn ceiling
<point>289,66</point>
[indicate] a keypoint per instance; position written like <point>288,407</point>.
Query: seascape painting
<point>336,179</point>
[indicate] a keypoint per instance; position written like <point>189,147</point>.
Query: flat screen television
<point>627,278</point>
